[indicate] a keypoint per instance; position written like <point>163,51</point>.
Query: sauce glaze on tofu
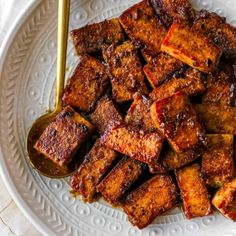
<point>217,160</point>
<point>86,84</point>
<point>139,114</point>
<point>125,71</point>
<point>63,136</point>
<point>225,200</point>
<point>193,191</point>
<point>178,121</point>
<point>133,142</point>
<point>142,27</point>
<point>91,38</point>
<point>217,119</point>
<point>189,82</point>
<point>216,28</point>
<point>120,179</point>
<point>105,113</point>
<point>92,170</point>
<point>161,68</point>
<point>151,199</point>
<point>191,47</point>
<point>173,10</point>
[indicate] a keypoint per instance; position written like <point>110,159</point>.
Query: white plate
<point>27,79</point>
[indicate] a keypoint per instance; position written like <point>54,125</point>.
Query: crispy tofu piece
<point>125,71</point>
<point>86,84</point>
<point>191,47</point>
<point>133,142</point>
<point>217,120</point>
<point>120,179</point>
<point>161,68</point>
<point>105,114</point>
<point>171,160</point>
<point>190,83</point>
<point>142,27</point>
<point>217,160</point>
<point>63,136</point>
<point>92,170</point>
<point>151,199</point>
<point>91,38</point>
<point>193,191</point>
<point>216,28</point>
<point>139,113</point>
<point>220,90</point>
<point>173,10</point>
<point>225,201</point>
<point>177,120</point>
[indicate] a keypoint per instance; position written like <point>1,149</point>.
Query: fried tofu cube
<point>142,27</point>
<point>224,200</point>
<point>63,136</point>
<point>92,170</point>
<point>171,160</point>
<point>173,10</point>
<point>161,68</point>
<point>151,199</point>
<point>217,160</point>
<point>120,179</point>
<point>220,90</point>
<point>191,47</point>
<point>125,71</point>
<point>133,142</point>
<point>86,84</point>
<point>105,114</point>
<point>217,29</point>
<point>217,120</point>
<point>139,113</point>
<point>176,119</point>
<point>91,38</point>
<point>193,191</point>
<point>190,83</point>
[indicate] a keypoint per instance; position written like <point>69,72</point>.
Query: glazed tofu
<point>120,179</point>
<point>216,28</point>
<point>105,114</point>
<point>161,68</point>
<point>133,142</point>
<point>173,10</point>
<point>92,170</point>
<point>217,120</point>
<point>190,83</point>
<point>171,160</point>
<point>176,119</point>
<point>217,160</point>
<point>151,199</point>
<point>125,71</point>
<point>220,90</point>
<point>224,200</point>
<point>86,84</point>
<point>193,191</point>
<point>139,113</point>
<point>63,136</point>
<point>91,38</point>
<point>191,47</point>
<point>142,27</point>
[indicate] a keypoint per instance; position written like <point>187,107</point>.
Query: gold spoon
<point>38,161</point>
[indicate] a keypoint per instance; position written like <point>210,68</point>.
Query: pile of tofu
<point>156,88</point>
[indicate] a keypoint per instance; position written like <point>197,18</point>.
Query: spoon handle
<point>62,36</point>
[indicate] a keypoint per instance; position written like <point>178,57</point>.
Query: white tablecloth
<point>12,221</point>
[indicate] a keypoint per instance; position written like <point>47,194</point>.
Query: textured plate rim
<point>6,177</point>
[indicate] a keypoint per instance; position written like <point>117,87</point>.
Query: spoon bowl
<point>38,161</point>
